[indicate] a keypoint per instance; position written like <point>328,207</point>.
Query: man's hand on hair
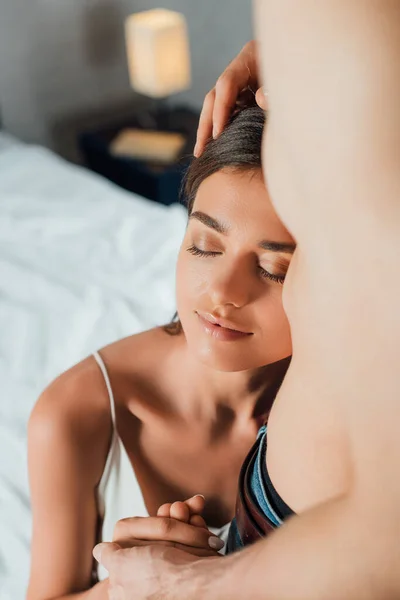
<point>240,78</point>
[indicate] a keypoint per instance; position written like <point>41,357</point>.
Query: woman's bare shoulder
<point>141,366</point>
<point>80,390</point>
<point>77,405</point>
<point>75,408</point>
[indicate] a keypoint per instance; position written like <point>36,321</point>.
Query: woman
<point>159,416</point>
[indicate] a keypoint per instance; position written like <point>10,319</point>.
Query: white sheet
<point>82,263</point>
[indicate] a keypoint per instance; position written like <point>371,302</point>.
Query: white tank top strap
<point>103,369</point>
<point>113,456</point>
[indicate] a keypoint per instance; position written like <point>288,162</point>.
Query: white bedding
<point>82,263</point>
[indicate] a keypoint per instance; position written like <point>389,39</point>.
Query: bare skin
<point>331,158</point>
<point>308,464</point>
<point>188,406</point>
<point>241,77</point>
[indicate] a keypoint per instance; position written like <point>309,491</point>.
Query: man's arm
<point>318,556</point>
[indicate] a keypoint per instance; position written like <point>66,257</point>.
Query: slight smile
<point>221,329</point>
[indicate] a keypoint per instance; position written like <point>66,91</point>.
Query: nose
<point>230,286</point>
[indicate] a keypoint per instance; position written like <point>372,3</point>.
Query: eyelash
<point>197,252</point>
<point>265,274</point>
<point>276,278</point>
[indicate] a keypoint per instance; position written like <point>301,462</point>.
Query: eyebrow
<point>209,222</point>
<point>220,228</point>
<point>277,247</point>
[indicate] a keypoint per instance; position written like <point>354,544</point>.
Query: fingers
<point>220,101</point>
<point>240,74</point>
<point>183,511</point>
<point>165,529</point>
<point>198,521</point>
<point>180,511</point>
<point>196,504</point>
<point>164,510</point>
<point>205,128</point>
<point>261,98</point>
<point>105,553</point>
<point>195,551</point>
<point>227,89</point>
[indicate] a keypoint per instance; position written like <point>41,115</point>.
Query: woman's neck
<point>246,395</point>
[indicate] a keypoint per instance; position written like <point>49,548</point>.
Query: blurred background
<point>63,63</point>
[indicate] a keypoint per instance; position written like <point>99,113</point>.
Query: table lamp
<point>158,52</point>
<point>159,65</point>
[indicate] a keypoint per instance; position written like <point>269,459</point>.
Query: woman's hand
<point>182,528</point>
<point>240,75</point>
<point>188,511</point>
<point>139,562</point>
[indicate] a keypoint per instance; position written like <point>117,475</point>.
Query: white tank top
<point>118,494</point>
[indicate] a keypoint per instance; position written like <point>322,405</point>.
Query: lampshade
<point>158,52</point>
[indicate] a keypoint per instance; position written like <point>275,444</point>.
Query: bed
<point>82,263</point>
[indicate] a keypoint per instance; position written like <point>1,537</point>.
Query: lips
<point>221,329</point>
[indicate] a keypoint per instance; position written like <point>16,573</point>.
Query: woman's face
<point>230,271</point>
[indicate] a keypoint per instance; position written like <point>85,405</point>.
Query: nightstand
<point>157,182</point>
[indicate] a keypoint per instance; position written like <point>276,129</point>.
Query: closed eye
<point>209,253</point>
<point>267,275</point>
<point>197,252</point>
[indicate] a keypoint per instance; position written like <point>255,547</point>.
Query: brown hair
<point>238,148</point>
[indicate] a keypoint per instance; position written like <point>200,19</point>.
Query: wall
<point>63,59</point>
